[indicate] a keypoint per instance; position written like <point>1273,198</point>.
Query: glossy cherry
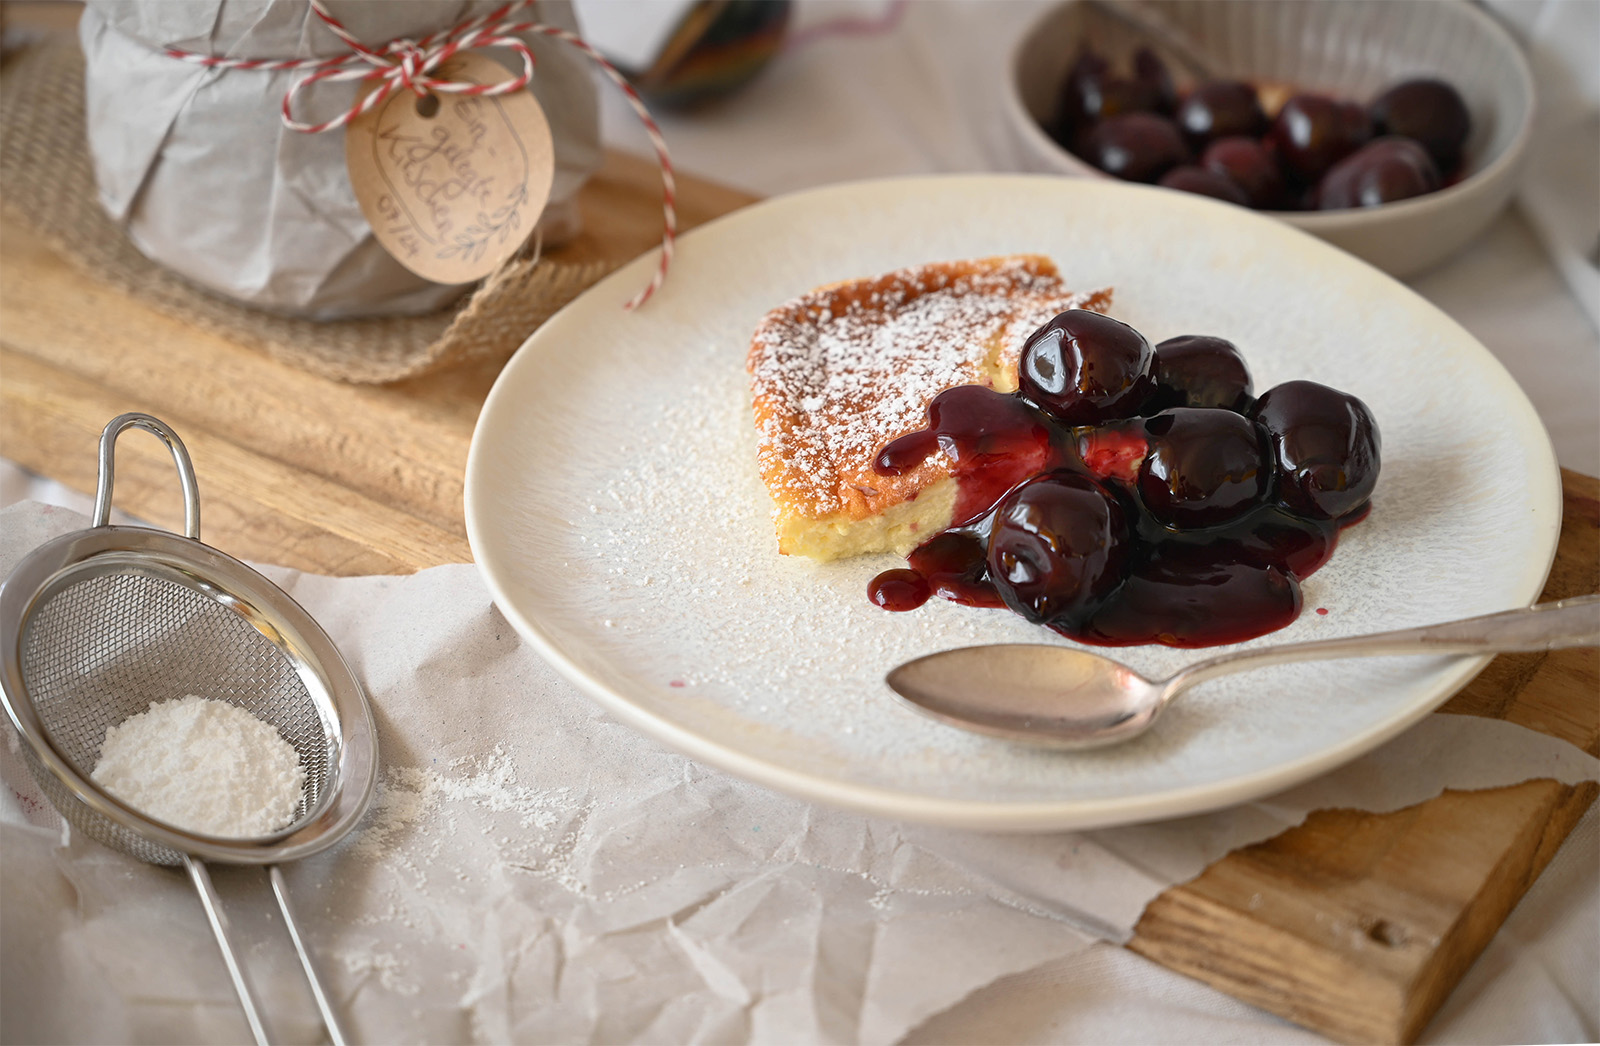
<point>1151,73</point>
<point>1083,368</point>
<point>1197,370</point>
<point>1431,112</point>
<point>1071,114</point>
<point>1058,547</point>
<point>1248,164</point>
<point>1206,467</point>
<point>1092,93</point>
<point>1313,132</point>
<point>1220,109</point>
<point>1326,447</point>
<point>1136,147</point>
<point>1382,171</point>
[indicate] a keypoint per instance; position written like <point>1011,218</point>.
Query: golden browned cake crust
<point>841,371</point>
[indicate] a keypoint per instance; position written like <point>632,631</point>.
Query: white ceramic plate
<point>614,508</point>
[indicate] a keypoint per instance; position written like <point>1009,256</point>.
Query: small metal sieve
<point>98,625</point>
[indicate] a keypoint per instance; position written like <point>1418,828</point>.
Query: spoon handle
<point>1548,626</point>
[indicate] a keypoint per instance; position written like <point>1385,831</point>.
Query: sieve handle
<point>219,928</point>
<point>330,1020</point>
<point>180,457</point>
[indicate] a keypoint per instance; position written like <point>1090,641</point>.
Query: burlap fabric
<point>47,186</point>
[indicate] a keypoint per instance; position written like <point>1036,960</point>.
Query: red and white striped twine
<point>407,65</point>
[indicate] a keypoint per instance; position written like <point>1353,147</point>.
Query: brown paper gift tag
<point>453,193</point>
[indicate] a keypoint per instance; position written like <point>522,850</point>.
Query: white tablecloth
<point>534,871</point>
<point>433,897</point>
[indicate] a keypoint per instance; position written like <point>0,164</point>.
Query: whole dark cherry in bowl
<point>1313,132</point>
<point>1326,448</point>
<point>1058,547</point>
<point>1084,367</point>
<point>1429,111</point>
<point>1202,182</point>
<point>1093,92</point>
<point>1136,147</point>
<point>1220,109</point>
<point>1105,97</point>
<point>1073,112</point>
<point>1248,164</point>
<point>1151,71</point>
<point>1205,467</point>
<point>1198,370</point>
<point>1382,171</point>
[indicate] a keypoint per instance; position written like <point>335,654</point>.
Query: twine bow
<point>408,65</point>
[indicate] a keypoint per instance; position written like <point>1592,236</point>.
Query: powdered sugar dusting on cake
<point>839,372</point>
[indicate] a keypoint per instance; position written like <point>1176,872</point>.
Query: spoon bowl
<point>1069,698</point>
<point>1052,696</point>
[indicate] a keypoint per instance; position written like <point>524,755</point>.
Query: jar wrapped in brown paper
<point>197,165</point>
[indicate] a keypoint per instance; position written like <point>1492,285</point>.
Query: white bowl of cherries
<point>1394,131</point>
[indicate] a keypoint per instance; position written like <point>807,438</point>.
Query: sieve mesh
<point>100,649</point>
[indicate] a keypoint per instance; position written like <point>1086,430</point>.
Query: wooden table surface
<point>1354,925</point>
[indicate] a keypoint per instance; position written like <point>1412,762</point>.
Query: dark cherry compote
<point>1130,493</point>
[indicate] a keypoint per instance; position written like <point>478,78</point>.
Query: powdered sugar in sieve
<point>205,766</point>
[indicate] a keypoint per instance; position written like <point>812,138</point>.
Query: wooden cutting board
<point>1354,925</point>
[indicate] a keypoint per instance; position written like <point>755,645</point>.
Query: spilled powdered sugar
<point>441,836</point>
<point>418,799</point>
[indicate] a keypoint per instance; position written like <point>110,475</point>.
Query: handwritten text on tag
<point>452,184</point>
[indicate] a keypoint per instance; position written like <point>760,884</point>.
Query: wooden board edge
<point>1314,945</point>
<point>263,510</point>
<point>1552,691</point>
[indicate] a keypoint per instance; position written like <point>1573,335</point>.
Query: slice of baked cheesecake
<point>840,371</point>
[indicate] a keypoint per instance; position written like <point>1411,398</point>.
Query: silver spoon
<point>1065,697</point>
